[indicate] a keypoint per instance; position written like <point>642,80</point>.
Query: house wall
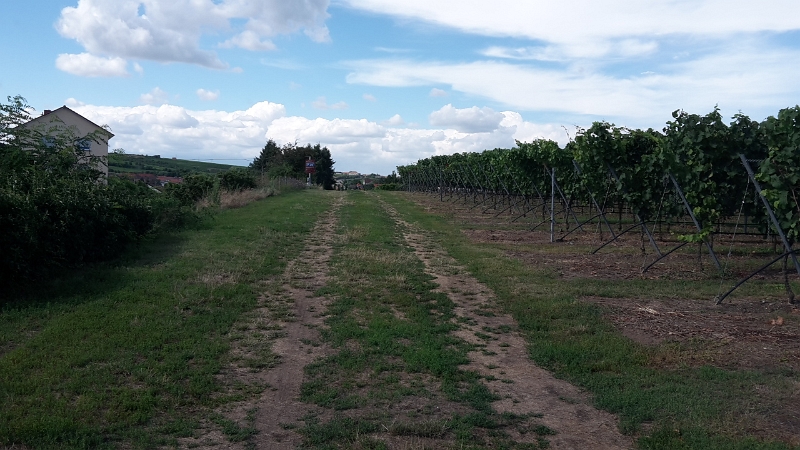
<point>67,118</point>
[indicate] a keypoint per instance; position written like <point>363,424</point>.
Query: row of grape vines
<point>694,172</point>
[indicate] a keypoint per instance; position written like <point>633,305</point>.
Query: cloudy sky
<point>383,83</point>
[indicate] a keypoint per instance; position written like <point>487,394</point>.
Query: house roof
<point>65,110</point>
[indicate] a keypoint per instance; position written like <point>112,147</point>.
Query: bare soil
<point>271,348</point>
<point>280,410</point>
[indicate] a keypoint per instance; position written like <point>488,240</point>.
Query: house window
<point>84,144</point>
<point>48,141</point>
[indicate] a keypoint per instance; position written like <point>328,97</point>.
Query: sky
<point>384,83</point>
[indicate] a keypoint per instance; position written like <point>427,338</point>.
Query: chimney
<point>47,111</point>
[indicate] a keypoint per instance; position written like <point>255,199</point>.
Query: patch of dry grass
<point>237,199</point>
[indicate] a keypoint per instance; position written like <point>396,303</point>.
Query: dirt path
<point>523,387</point>
<point>280,409</point>
<point>270,347</point>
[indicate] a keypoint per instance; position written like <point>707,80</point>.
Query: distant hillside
<point>161,166</point>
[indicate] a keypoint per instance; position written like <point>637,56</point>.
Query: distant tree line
<point>290,159</point>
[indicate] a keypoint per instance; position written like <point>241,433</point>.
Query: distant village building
<point>63,118</point>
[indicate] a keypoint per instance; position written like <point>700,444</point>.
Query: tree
<point>268,158</point>
<point>290,160</point>
<point>237,179</point>
<point>324,174</point>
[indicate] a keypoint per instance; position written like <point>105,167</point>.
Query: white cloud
<point>87,65</point>
<point>249,40</point>
<point>321,103</point>
<point>746,77</point>
<point>625,48</point>
<point>175,117</point>
<point>395,121</point>
<point>155,97</point>
<point>171,30</point>
<point>207,95</point>
<point>436,92</point>
<point>369,97</point>
<point>635,47</point>
<point>528,131</point>
<point>467,120</point>
<point>578,22</point>
<point>361,145</point>
<point>175,131</point>
<point>72,103</point>
<point>336,131</point>
<point>522,87</point>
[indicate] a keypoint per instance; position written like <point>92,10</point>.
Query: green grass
<point>690,407</point>
<point>128,352</point>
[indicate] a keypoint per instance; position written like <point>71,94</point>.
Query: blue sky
<point>383,83</point>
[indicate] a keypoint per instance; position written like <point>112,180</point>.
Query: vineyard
<point>699,182</point>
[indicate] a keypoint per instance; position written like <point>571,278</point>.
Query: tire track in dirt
<point>502,358</point>
<point>269,351</point>
<point>280,409</point>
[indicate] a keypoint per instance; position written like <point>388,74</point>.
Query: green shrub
<point>388,187</point>
<point>237,179</point>
<point>193,188</point>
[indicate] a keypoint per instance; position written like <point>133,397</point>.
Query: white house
<point>64,118</point>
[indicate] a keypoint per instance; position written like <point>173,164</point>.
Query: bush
<point>237,179</point>
<point>66,221</point>
<point>193,188</point>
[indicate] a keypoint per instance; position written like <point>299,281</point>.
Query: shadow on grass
<point>79,284</point>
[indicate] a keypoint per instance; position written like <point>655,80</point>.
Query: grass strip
<point>129,352</point>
